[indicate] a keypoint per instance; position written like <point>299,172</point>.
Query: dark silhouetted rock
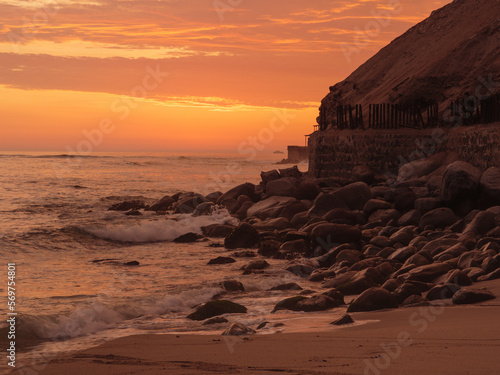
<point>216,307</point>
<point>244,236</point>
<point>232,286</point>
<point>308,190</point>
<point>438,218</point>
<point>341,216</point>
<point>469,295</point>
<point>460,181</point>
<point>384,216</point>
<point>205,208</point>
<point>355,195</point>
<point>217,230</point>
<point>325,202</point>
<point>374,205</point>
<point>285,187</point>
<point>490,187</point>
<point>213,197</point>
<point>221,260</point>
<point>269,176</point>
<point>269,248</point>
<point>301,270</point>
<point>255,265</point>
<point>187,238</point>
<point>491,276</point>
<point>346,319</point>
<point>289,303</point>
<point>291,172</point>
<point>127,206</point>
<point>272,224</point>
<point>442,291</point>
<point>410,218</point>
<point>247,189</point>
<point>266,204</point>
<point>429,272</point>
<point>424,205</point>
<point>163,204</point>
<point>132,263</point>
<point>319,302</point>
<point>293,208</point>
<point>373,299</point>
<point>187,203</point>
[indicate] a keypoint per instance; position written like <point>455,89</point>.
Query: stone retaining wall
<point>337,152</point>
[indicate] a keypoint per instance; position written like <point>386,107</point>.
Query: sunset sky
<point>178,75</point>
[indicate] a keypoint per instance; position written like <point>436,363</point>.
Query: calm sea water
<point>54,222</point>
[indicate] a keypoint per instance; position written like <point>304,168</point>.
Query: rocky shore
<point>431,234</point>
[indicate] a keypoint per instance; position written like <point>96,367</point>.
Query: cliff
<point>453,53</point>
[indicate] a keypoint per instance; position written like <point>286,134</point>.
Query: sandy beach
<point>417,340</point>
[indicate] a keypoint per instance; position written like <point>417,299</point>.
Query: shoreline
<point>415,340</point>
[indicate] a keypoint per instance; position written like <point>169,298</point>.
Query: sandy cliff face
<point>454,52</point>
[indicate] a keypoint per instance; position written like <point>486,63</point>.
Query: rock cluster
<point>410,242</point>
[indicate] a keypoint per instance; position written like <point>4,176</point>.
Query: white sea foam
<point>166,229</point>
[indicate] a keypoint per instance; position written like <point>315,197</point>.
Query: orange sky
<point>179,75</point>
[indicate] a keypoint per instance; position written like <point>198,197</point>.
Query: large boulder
<point>410,218</point>
<point>247,189</point>
<point>490,187</point>
<point>217,230</point>
<point>460,181</point>
<point>342,216</point>
<point>285,187</point>
<point>362,281</point>
<point>355,195</point>
<point>325,202</point>
<point>319,302</point>
<point>269,176</point>
<point>375,298</point>
<point>308,190</point>
<point>127,206</point>
<point>291,172</point>
<point>438,218</point>
<point>470,295</point>
<point>421,167</point>
<point>288,303</point>
<point>163,204</point>
<point>188,203</point>
<point>482,223</point>
<point>278,223</point>
<point>442,291</point>
<point>429,272</point>
<point>293,208</point>
<point>273,202</point>
<point>205,208</point>
<point>215,308</point>
<point>374,205</point>
<point>244,236</point>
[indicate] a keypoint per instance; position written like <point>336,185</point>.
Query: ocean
<point>56,227</point>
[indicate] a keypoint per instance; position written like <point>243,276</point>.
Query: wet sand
<point>418,340</point>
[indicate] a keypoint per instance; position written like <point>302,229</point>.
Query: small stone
<point>346,319</point>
